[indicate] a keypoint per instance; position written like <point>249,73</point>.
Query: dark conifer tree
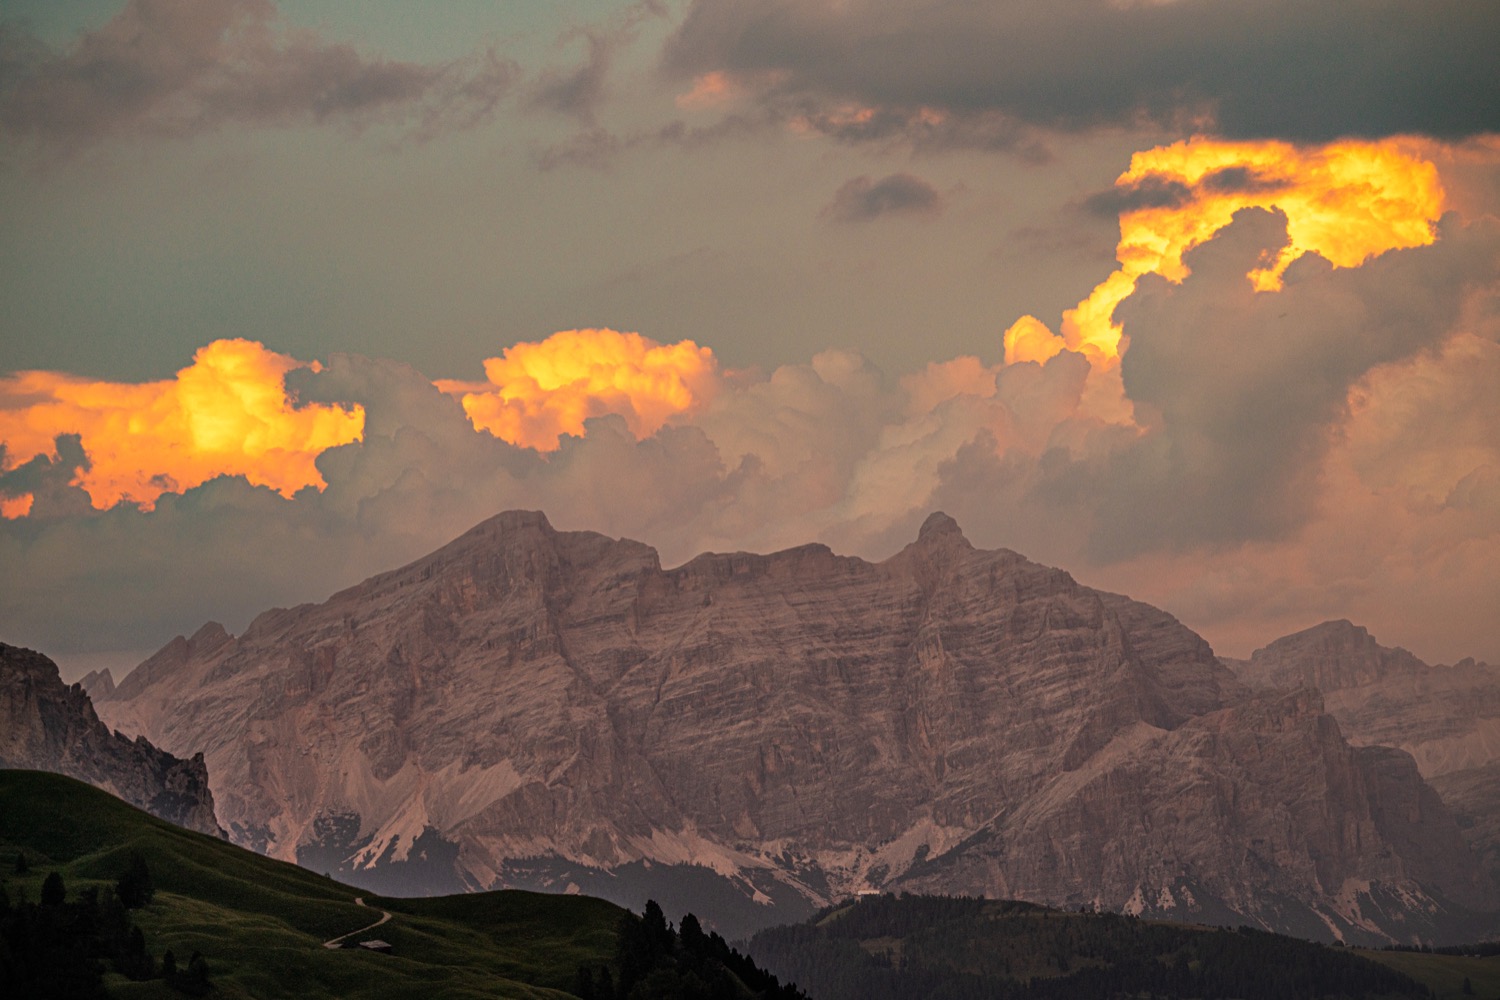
<point>658,931</point>
<point>22,865</point>
<point>134,886</point>
<point>53,891</point>
<point>583,984</point>
<point>194,982</point>
<point>691,933</point>
<point>138,964</point>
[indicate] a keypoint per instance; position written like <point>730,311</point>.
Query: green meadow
<point>260,924</point>
<point>1445,974</point>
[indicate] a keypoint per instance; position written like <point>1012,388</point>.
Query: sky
<point>1197,300</point>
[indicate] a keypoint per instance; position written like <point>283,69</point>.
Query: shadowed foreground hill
<point>260,923</point>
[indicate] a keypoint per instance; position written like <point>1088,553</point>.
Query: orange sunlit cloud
<point>226,414</point>
<point>708,91</point>
<point>1345,201</point>
<point>537,392</point>
<point>15,507</point>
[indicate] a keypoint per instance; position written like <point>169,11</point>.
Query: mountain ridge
<point>528,704</point>
<point>1446,716</point>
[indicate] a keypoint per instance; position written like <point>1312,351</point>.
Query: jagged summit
<point>98,684</point>
<point>939,525</point>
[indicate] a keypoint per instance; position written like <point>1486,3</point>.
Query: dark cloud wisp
<point>863,199</point>
<point>1297,69</point>
<point>180,67</point>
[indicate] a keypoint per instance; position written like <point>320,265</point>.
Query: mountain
<point>1446,717</point>
<point>754,736</point>
<point>46,725</point>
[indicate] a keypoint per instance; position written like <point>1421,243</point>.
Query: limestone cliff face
<point>46,725</point>
<point>804,724</point>
<point>1446,717</point>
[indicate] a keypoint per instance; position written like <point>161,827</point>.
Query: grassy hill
<point>260,923</point>
<point>1446,974</point>
<point>915,947</point>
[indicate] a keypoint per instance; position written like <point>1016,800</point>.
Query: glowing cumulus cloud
<point>537,392</point>
<point>226,414</point>
<point>1345,201</point>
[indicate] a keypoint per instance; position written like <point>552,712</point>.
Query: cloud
<point>595,148</point>
<point>1244,390</point>
<point>863,200</point>
<point>579,91</point>
<point>1403,534</point>
<point>537,392</point>
<point>1322,449</point>
<point>228,413</point>
<point>181,67</point>
<point>1346,201</point>
<point>1297,69</point>
<point>1155,191</point>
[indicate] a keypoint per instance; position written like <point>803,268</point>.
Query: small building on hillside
<point>381,946</point>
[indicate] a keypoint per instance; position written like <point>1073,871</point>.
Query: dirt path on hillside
<point>358,901</point>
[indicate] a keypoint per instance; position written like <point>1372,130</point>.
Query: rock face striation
<point>752,735</point>
<point>46,725</point>
<point>1446,717</point>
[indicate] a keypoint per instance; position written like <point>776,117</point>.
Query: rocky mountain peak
<point>46,725</point>
<point>98,684</point>
<point>939,526</point>
<point>1332,656</point>
<point>940,551</point>
<point>208,638</point>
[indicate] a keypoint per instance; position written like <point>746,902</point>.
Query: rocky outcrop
<point>1446,717</point>
<point>545,708</point>
<point>46,725</point>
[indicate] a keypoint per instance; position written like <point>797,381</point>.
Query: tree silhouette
<point>53,891</point>
<point>656,962</point>
<point>194,981</point>
<point>134,887</point>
